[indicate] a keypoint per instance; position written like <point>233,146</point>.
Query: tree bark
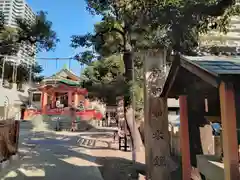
<point>127,59</point>
<point>135,134</point>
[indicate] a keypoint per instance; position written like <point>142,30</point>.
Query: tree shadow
<point>59,157</point>
<point>51,159</point>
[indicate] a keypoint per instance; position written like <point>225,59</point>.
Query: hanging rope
<point>55,83</point>
<point>56,63</point>
<point>69,65</point>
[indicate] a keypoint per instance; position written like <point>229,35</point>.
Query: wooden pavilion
<point>208,89</point>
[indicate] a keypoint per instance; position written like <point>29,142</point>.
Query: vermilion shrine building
<point>63,87</point>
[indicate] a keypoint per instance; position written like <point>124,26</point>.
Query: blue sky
<point>69,17</point>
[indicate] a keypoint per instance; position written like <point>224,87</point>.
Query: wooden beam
<point>229,123</point>
<point>184,138</point>
<point>172,81</point>
<point>201,73</point>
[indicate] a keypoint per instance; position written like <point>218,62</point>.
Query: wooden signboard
<point>158,161</point>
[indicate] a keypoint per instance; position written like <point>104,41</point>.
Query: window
<point>36,97</point>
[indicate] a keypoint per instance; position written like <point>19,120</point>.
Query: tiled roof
<point>217,64</point>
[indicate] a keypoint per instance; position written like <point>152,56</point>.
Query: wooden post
<point>229,123</point>
<point>158,161</point>
<point>184,138</point>
<point>17,129</point>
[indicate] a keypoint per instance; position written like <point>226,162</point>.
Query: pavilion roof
<point>211,70</point>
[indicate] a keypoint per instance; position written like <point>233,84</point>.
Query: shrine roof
<point>69,82</point>
<point>64,74</point>
<point>59,81</point>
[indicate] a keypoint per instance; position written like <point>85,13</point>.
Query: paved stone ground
<point>91,155</point>
<point>115,164</point>
<point>49,155</point>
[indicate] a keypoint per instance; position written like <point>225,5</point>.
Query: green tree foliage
<point>180,22</point>
<point>37,33</point>
<point>129,26</point>
<point>104,79</point>
<point>8,41</point>
<point>176,24</point>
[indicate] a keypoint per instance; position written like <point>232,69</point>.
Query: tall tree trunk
<point>135,134</point>
<point>128,60</point>
<point>137,140</point>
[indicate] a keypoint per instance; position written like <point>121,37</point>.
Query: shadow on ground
<point>52,158</point>
<point>121,167</point>
<point>64,161</point>
<point>59,157</point>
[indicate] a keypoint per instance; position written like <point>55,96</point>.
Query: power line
<point>69,58</point>
<point>42,58</point>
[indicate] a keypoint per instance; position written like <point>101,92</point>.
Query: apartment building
<point>13,10</point>
<point>230,41</point>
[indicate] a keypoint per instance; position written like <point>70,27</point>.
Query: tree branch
<point>217,9</point>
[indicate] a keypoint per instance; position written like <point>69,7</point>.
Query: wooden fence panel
<point>9,133</point>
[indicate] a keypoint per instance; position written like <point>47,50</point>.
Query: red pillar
<point>44,102</point>
<point>229,134</point>
<point>86,103</point>
<point>54,100</point>
<point>76,101</point>
<point>70,98</point>
<point>184,139</point>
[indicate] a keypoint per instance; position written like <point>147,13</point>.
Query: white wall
<point>14,99</point>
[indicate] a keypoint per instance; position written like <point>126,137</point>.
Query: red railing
<point>85,115</point>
